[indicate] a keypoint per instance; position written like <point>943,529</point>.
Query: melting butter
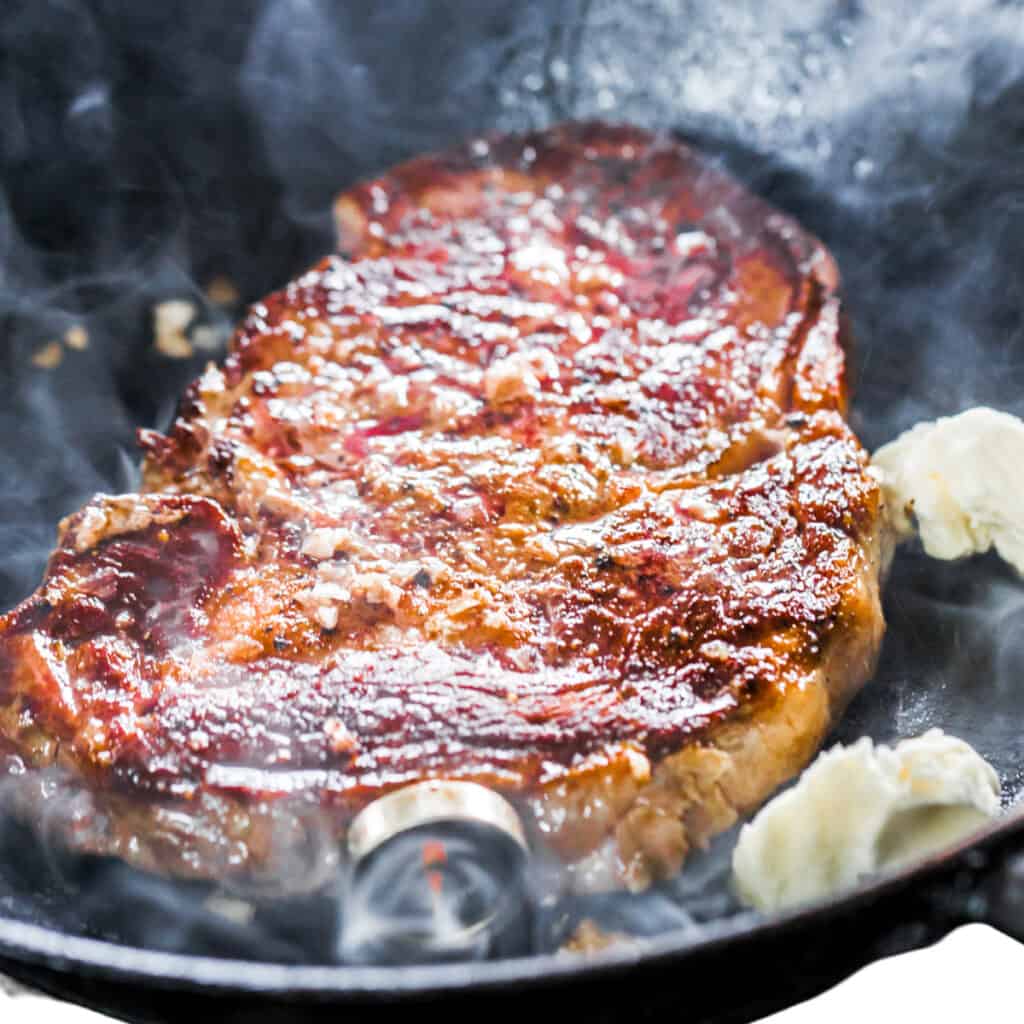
<point>859,810</point>
<point>958,480</point>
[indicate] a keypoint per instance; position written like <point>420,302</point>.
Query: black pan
<point>734,971</point>
<point>145,151</point>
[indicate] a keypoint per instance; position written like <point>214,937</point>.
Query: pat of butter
<point>961,479</point>
<point>858,810</point>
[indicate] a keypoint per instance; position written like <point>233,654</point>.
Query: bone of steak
<point>544,481</point>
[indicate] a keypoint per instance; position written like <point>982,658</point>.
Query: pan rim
<point>37,946</point>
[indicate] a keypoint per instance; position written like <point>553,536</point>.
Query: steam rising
<point>147,151</point>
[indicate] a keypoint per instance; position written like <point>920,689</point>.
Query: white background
<point>974,974</point>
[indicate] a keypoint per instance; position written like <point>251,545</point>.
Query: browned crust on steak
<point>544,483</point>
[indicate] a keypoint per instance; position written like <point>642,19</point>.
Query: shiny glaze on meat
<point>547,465</point>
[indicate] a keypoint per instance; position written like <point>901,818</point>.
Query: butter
<point>960,480</point>
<point>860,810</point>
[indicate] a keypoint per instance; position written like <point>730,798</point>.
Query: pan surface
<point>181,147</point>
<point>732,971</point>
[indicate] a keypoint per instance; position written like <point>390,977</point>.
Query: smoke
<point>436,894</point>
<point>343,90</point>
<point>893,130</point>
<point>149,151</point>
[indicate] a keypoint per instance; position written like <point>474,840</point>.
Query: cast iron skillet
<point>735,971</point>
<point>145,151</point>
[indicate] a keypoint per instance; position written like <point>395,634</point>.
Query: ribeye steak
<point>542,481</point>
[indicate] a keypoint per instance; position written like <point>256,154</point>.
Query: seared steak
<point>543,481</point>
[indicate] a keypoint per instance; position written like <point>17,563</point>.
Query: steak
<point>543,481</point>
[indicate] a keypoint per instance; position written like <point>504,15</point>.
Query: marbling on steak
<point>544,481</point>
